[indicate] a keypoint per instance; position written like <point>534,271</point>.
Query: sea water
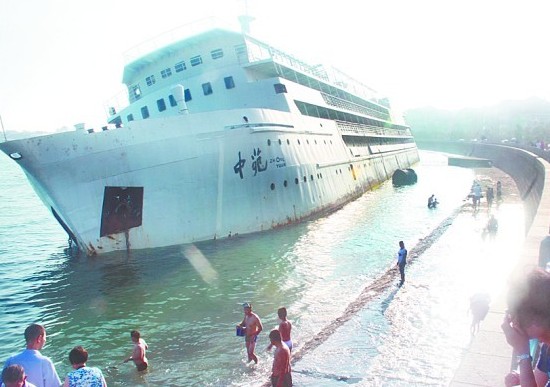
<point>186,300</point>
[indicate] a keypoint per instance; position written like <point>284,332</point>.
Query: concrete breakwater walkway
<point>489,357</point>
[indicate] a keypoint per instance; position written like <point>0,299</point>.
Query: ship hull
<point>188,178</point>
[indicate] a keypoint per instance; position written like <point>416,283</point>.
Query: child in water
<point>139,351</point>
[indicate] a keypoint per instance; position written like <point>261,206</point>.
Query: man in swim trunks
<point>252,327</point>
<point>285,327</point>
<point>138,354</point>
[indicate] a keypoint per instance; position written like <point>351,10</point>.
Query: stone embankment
<point>489,357</point>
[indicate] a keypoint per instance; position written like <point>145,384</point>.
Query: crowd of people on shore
<point>32,369</point>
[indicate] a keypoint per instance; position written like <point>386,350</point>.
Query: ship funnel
<point>179,96</point>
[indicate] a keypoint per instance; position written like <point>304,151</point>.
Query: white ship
<point>222,134</point>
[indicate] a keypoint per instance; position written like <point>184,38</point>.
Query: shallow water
<point>186,299</point>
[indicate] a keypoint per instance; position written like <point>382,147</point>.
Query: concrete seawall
<point>489,357</point>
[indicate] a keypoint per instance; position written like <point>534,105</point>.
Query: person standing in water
<point>285,327</point>
<point>402,261</point>
<point>252,327</point>
<point>138,355</point>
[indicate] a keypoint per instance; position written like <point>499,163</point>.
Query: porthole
<point>296,180</point>
<point>325,141</point>
<point>268,142</point>
<point>330,142</point>
<point>311,177</point>
<point>305,179</point>
<point>287,141</point>
<point>298,141</point>
<point>321,175</point>
<point>272,186</point>
<point>315,142</point>
<point>280,142</point>
<point>285,183</point>
<point>307,142</point>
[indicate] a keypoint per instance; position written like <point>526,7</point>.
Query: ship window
<point>229,82</point>
<point>279,88</point>
<point>130,117</point>
<point>240,49</point>
<point>166,72</point>
<point>187,95</point>
<point>296,180</point>
<point>180,66</point>
<point>288,141</point>
<point>136,91</point>
<point>272,186</point>
<point>279,141</point>
<point>207,88</point>
<point>298,141</point>
<point>145,112</point>
<point>161,105</point>
<point>311,177</point>
<point>285,183</point>
<point>172,100</point>
<point>196,60</point>
<point>305,179</point>
<point>216,54</point>
<point>268,142</point>
<point>150,80</point>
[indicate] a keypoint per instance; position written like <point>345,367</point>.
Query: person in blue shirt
<point>39,369</point>
<point>402,261</point>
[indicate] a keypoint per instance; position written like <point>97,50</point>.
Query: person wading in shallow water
<point>402,261</point>
<point>252,326</point>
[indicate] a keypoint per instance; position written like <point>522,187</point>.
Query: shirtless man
<point>252,328</point>
<point>138,354</point>
<point>285,327</point>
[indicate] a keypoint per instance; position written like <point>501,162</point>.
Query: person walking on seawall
<point>528,317</point>
<point>39,369</point>
<point>14,376</point>
<point>281,375</point>
<point>252,327</point>
<point>83,375</point>
<point>499,191</point>
<point>285,327</point>
<point>138,355</point>
<point>402,261</point>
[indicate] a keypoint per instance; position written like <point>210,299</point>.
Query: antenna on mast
<point>3,131</point>
<point>245,19</point>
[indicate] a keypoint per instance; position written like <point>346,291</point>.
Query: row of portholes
<point>296,180</point>
<point>319,176</point>
<point>298,140</point>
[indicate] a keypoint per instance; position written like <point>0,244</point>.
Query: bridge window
<point>150,80</point>
<point>180,66</point>
<point>217,54</point>
<point>196,60</point>
<point>130,117</point>
<point>166,72</point>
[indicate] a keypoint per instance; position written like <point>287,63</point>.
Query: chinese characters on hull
<point>258,164</point>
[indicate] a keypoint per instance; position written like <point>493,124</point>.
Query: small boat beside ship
<point>221,134</point>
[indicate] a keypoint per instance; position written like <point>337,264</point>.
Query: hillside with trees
<point>526,121</point>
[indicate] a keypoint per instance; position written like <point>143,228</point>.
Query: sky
<point>62,60</point>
